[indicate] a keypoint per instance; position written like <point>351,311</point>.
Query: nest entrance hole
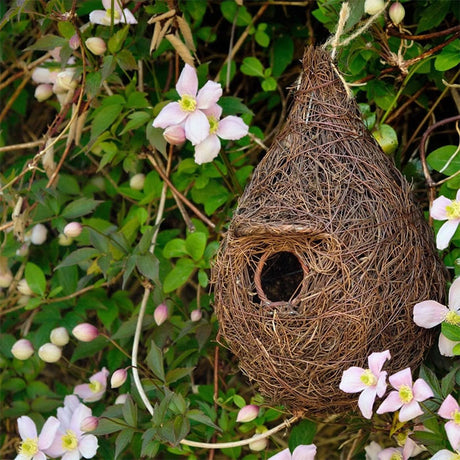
<point>280,276</point>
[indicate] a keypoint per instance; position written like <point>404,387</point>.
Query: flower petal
<point>453,434</point>
<point>215,110</point>
<point>377,360</point>
<point>443,455</point>
<point>445,233</point>
<point>232,128</point>
<point>175,134</point>
<point>388,454</point>
<point>366,401</point>
<point>429,313</point>
<point>187,82</point>
<point>410,411</point>
<point>127,17</point>
<point>88,445</point>
<point>304,452</point>
<point>403,377</point>
<point>454,296</point>
<point>207,150</point>
<point>448,407</point>
<point>446,346</point>
<point>381,384</point>
<point>83,391</point>
<point>390,404</point>
<point>170,114</point>
<point>196,127</point>
<point>99,17</point>
<point>438,208</point>
<point>422,390</point>
<point>71,455</point>
<point>283,455</point>
<point>351,380</point>
<point>26,427</point>
<point>208,95</point>
<point>48,433</point>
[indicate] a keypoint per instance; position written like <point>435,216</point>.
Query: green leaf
<point>126,60</point>
<point>137,100</point>
<point>198,416</point>
<point>117,39</point>
<point>302,433</point>
<point>104,118</point>
<point>433,14</point>
<point>48,42</point>
<point>88,349</point>
<point>66,29</point>
<point>179,275</point>
<point>203,278</point>
<point>35,278</point>
<point>447,155</point>
<point>269,84</point>
<point>148,265</point>
<point>449,57</point>
<point>380,92</point>
<point>156,139</point>
<point>387,138</point>
<point>239,401</point>
<point>235,14</point>
<point>154,361</point>
<point>262,38</point>
<point>122,440</point>
<point>109,425</point>
<point>108,67</point>
<point>252,66</point>
<point>175,248</point>
<point>448,383</point>
<point>77,256</point>
<point>232,105</point>
<point>136,120</point>
<point>282,54</point>
<point>451,331</point>
<point>80,207</point>
<point>195,244</point>
<point>130,412</point>
<point>176,374</point>
<point>456,350</point>
<point>430,377</point>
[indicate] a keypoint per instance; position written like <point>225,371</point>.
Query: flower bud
<point>22,349</point>
<point>396,13</point>
<point>24,288</point>
<point>161,314</point>
<point>89,423</point>
<point>175,135</point>
<point>195,315</point>
<point>49,353</point>
<point>59,336</point>
<point>373,6</point>
<point>38,235</point>
<point>43,92</point>
<point>73,229</point>
<point>118,378</point>
<point>247,413</point>
<point>260,444</point>
<point>96,45</point>
<point>137,181</point>
<point>74,41</point>
<point>121,399</point>
<point>65,82</point>
<point>85,332</point>
<point>64,240</point>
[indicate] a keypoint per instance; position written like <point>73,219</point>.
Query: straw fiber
<point>325,256</point>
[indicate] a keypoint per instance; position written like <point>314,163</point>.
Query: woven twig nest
<point>326,255</point>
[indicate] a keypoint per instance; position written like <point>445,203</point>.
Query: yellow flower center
<point>116,14</point>
<point>69,440</point>
<point>396,456</point>
<point>453,317</point>
<point>187,103</point>
<point>29,447</point>
<point>368,378</point>
<point>456,417</point>
<point>405,394</point>
<point>453,210</point>
<point>213,125</point>
<point>95,386</point>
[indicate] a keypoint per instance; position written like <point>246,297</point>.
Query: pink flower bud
<point>121,399</point>
<point>43,92</point>
<point>396,13</point>
<point>175,134</point>
<point>59,336</point>
<point>85,332</point>
<point>373,6</point>
<point>89,423</point>
<point>22,349</point>
<point>247,413</point>
<point>74,42</point>
<point>24,288</point>
<point>118,378</point>
<point>38,235</point>
<point>49,353</point>
<point>73,229</point>
<point>137,181</point>
<point>161,314</point>
<point>96,45</point>
<point>196,315</point>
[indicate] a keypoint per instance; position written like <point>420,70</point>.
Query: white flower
<point>119,14</point>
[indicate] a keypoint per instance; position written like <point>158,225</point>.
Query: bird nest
<point>325,256</point>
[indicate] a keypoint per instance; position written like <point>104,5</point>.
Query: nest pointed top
<point>326,255</point>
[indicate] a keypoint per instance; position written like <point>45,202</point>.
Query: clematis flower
<point>430,313</point>
<point>371,382</point>
<point>230,128</point>
<point>407,396</point>
<point>445,209</point>
<point>450,410</point>
<point>399,453</point>
<point>445,454</point>
<point>192,108</point>
<point>95,389</point>
<point>32,445</point>
<point>302,452</point>
<point>120,14</point>
<point>71,443</point>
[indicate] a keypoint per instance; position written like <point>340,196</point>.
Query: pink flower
<point>32,445</point>
<point>191,110</point>
<point>430,313</point>
<point>71,443</point>
<point>302,452</point>
<point>407,397</point>
<point>247,413</point>
<point>399,453</point>
<point>161,314</point>
<point>230,128</point>
<point>95,389</point>
<point>371,382</point>
<point>450,410</point>
<point>445,209</point>
<point>104,18</point>
<point>445,454</point>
